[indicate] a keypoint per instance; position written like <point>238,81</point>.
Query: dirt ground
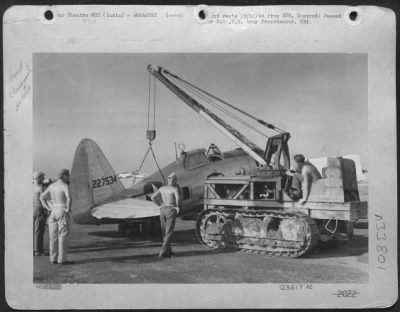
<point>100,255</point>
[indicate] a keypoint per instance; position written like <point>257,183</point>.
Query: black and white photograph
<point>220,166</point>
<point>266,177</point>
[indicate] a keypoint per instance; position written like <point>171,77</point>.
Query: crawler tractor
<point>255,213</point>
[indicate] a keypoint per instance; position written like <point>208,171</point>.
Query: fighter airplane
<point>98,196</point>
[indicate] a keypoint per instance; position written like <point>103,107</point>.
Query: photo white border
<point>26,32</point>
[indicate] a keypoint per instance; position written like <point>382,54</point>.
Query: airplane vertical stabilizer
<point>93,181</point>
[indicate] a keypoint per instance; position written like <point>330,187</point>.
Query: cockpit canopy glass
<point>196,159</point>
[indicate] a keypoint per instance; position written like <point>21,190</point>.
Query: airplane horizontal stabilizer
<point>130,208</point>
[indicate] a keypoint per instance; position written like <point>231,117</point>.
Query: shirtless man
<point>305,175</point>
<point>169,208</point>
<point>60,207</point>
<point>39,217</point>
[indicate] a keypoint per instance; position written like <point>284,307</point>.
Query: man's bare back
<point>59,193</point>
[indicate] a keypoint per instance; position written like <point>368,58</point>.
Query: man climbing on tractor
<point>304,176</point>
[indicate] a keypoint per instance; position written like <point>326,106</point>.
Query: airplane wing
<point>129,208</point>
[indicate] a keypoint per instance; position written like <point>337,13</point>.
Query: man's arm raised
<point>154,198</point>
<point>43,200</point>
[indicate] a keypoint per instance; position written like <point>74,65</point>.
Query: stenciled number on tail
<point>104,181</point>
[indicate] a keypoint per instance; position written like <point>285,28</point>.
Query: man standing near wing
<point>169,209</point>
<point>58,220</point>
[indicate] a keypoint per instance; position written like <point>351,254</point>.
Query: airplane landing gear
<point>141,230</point>
<point>124,229</point>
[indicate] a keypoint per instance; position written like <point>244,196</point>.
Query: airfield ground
<point>100,255</point>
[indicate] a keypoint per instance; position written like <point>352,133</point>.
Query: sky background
<point>321,99</point>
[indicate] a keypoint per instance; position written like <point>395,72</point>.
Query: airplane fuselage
<point>98,196</point>
<point>191,169</point>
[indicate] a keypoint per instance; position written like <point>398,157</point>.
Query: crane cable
<point>266,124</point>
<point>208,98</point>
<point>209,101</point>
<point>151,133</point>
<point>204,97</point>
<point>148,104</point>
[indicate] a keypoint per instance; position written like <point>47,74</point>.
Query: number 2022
<point>347,293</point>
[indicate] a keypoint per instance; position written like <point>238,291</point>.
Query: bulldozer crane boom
<point>249,147</point>
<point>260,121</point>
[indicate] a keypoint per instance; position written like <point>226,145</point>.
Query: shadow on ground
<point>111,245</point>
<point>357,246</point>
<point>151,257</point>
<point>186,237</point>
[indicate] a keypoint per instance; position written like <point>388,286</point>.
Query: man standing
<point>305,175</point>
<point>39,217</point>
<point>58,221</point>
<point>169,208</point>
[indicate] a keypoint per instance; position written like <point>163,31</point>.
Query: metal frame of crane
<point>275,225</point>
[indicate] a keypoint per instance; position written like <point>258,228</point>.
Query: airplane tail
<point>93,181</point>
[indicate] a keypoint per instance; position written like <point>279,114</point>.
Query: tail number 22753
<point>104,181</point>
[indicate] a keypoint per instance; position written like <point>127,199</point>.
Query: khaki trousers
<point>167,218</point>
<point>39,223</point>
<point>58,235</point>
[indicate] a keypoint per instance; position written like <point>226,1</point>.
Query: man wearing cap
<point>58,221</point>
<point>39,218</point>
<point>169,208</point>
